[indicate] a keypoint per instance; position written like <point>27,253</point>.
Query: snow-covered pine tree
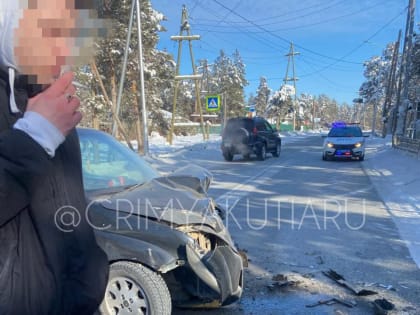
<point>263,95</point>
<point>158,65</point>
<point>373,89</point>
<point>229,81</point>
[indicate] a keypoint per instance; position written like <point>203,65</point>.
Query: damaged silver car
<point>164,236</point>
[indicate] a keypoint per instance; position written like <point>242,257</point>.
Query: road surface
<point>298,218</point>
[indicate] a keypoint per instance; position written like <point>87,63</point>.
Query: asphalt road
<point>298,217</point>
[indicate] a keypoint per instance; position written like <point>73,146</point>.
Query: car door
<point>266,132</point>
<point>272,135</point>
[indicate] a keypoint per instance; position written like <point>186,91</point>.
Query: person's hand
<point>58,104</point>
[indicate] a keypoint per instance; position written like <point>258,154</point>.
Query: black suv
<point>249,135</point>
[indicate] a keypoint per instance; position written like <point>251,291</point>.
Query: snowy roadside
<point>395,175</point>
<point>158,146</point>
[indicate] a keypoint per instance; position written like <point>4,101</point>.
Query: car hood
<point>344,140</point>
<point>193,176</point>
<point>167,199</point>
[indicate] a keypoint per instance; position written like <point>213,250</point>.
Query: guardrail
<point>407,144</point>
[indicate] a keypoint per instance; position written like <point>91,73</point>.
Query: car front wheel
<point>262,153</point>
<point>135,289</point>
<point>276,153</point>
<point>228,156</point>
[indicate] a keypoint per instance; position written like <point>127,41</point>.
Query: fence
<point>192,129</point>
<point>407,144</point>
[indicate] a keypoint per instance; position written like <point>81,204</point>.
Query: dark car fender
<point>258,143</point>
<point>118,247</point>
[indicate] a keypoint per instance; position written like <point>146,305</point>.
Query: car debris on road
<point>332,301</point>
<point>342,282</point>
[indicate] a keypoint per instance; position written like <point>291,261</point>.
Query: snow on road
<point>395,175</point>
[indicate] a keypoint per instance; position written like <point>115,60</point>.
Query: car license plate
<point>342,152</point>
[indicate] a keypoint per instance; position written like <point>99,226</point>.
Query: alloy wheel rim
<point>125,297</point>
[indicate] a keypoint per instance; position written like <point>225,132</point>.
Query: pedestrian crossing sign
<point>213,103</point>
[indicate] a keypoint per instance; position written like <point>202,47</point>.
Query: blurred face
<point>52,34</point>
<point>45,38</point>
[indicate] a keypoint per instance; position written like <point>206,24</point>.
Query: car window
<point>107,163</point>
<point>234,124</point>
<point>260,126</point>
<point>345,132</point>
<point>268,126</point>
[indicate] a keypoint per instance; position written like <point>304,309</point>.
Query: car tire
<point>362,157</point>
<point>277,151</point>
<point>228,156</point>
<point>133,288</point>
<point>262,152</point>
<point>324,157</point>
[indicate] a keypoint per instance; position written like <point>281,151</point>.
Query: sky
<point>333,38</point>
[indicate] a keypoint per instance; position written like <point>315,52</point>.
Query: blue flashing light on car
<point>339,124</point>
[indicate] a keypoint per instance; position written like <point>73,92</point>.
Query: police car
<point>344,141</point>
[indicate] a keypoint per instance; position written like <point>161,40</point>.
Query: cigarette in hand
<point>80,85</point>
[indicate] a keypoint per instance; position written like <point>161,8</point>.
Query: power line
<point>289,13</point>
<point>281,38</point>
<point>263,41</point>
<point>226,15</point>
<point>324,21</point>
<point>328,80</point>
<point>360,45</point>
<point>306,49</point>
<point>304,15</point>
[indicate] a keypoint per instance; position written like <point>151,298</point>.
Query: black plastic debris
<point>279,277</point>
<point>382,306</point>
<point>319,260</point>
<point>333,301</point>
<point>342,282</point>
<point>281,281</point>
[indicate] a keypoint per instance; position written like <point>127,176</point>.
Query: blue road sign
<point>213,103</point>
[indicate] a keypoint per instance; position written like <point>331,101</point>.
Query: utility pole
<point>291,60</point>
<point>390,88</point>
<point>375,111</point>
<point>205,66</point>
<point>224,104</point>
<point>402,98</point>
<point>185,27</point>
<point>313,114</point>
<point>135,4</point>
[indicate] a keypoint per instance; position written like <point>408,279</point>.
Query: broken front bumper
<point>221,272</point>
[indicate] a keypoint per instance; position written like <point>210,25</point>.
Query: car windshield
<point>109,164</point>
<point>345,132</point>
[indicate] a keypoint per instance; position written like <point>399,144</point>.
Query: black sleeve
<point>21,159</point>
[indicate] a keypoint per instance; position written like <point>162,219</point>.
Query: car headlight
<point>330,145</point>
<point>201,242</point>
<point>358,145</point>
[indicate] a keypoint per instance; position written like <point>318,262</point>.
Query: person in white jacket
<point>44,268</point>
